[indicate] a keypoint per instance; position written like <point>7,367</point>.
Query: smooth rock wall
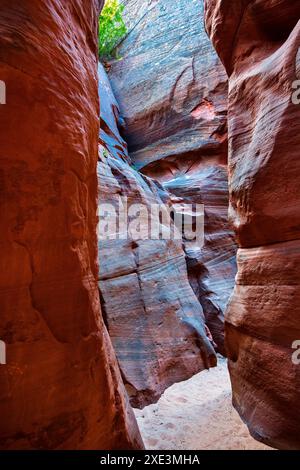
<point>258,43</point>
<point>61,387</point>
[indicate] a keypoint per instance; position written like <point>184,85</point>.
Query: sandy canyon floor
<point>196,414</point>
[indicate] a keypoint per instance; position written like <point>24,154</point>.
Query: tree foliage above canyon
<point>112,28</point>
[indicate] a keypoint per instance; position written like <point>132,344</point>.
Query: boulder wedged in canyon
<point>172,91</point>
<point>61,387</point>
<point>153,317</point>
<point>258,43</point>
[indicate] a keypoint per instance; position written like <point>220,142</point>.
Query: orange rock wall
<point>61,387</point>
<point>258,42</point>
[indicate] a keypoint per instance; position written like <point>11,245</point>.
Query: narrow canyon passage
<point>196,415</point>
<point>168,92</point>
<point>156,287</point>
<point>189,134</point>
<point>114,333</point>
<point>163,142</point>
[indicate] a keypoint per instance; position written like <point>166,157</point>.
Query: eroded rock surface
<point>259,42</point>
<point>172,91</point>
<point>154,319</point>
<point>211,267</point>
<point>61,387</point>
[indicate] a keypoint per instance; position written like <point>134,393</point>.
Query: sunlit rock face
<point>60,387</point>
<point>154,319</point>
<point>172,90</point>
<point>258,43</point>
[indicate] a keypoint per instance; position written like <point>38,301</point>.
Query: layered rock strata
<point>153,317</point>
<point>172,91</point>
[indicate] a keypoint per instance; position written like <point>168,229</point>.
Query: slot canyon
<point>123,342</point>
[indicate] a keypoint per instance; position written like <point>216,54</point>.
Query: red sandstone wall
<point>61,387</point>
<point>258,42</point>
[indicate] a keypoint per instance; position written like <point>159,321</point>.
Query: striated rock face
<point>172,91</point>
<point>153,316</point>
<point>170,85</point>
<point>61,387</point>
<point>258,43</point>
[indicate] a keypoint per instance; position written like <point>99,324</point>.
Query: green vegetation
<point>105,153</point>
<point>112,29</point>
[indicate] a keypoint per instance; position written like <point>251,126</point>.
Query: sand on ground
<point>196,415</point>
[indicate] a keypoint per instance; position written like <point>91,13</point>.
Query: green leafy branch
<point>112,29</point>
